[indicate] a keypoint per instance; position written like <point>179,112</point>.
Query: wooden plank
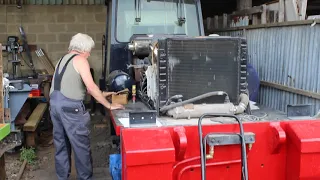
<point>271,2</point>
<point>264,14</point>
<point>259,26</point>
<point>292,90</point>
<point>7,115</point>
<point>34,119</point>
<point>253,10</point>
<point>23,166</point>
<point>291,10</point>
<point>216,22</point>
<point>255,20</point>
<point>210,23</point>
<point>2,168</point>
<point>303,9</point>
<point>271,16</point>
<point>45,61</point>
<point>225,21</point>
<point>1,87</point>
<point>281,10</point>
<point>244,4</point>
<point>31,139</point>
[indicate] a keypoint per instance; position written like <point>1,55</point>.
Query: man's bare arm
<point>83,68</point>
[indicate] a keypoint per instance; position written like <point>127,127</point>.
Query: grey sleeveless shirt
<point>72,85</point>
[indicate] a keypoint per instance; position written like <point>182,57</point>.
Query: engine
<point>185,77</point>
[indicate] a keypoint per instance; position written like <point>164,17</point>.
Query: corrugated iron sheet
<point>55,2</point>
<point>288,55</point>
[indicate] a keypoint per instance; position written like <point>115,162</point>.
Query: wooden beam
<point>2,168</point>
<point>291,90</point>
<point>253,10</point>
<point>1,87</point>
<point>259,26</point>
<point>225,21</point>
<point>244,4</point>
<point>31,139</point>
<point>264,14</point>
<point>271,2</point>
<point>22,168</point>
<point>216,22</point>
<point>210,23</point>
<point>7,115</point>
<point>35,117</point>
<point>303,9</point>
<point>255,19</point>
<point>281,10</point>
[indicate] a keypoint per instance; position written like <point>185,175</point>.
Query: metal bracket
<point>143,117</point>
<point>299,111</point>
<point>221,139</point>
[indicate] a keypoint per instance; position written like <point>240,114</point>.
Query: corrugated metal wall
<point>55,2</point>
<point>287,55</point>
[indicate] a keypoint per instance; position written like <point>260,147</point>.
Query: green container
<point>4,130</point>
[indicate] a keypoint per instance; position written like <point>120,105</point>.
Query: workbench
<point>120,118</point>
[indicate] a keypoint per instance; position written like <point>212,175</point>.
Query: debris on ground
<point>43,167</point>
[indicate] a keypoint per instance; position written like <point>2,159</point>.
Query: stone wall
<point>51,28</point>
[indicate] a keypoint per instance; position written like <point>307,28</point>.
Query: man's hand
<point>115,106</point>
<point>106,94</point>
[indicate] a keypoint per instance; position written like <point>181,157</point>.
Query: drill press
<point>13,48</point>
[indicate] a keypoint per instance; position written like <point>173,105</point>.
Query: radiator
<point>194,66</point>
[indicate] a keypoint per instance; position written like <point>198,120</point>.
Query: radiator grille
<point>192,67</point>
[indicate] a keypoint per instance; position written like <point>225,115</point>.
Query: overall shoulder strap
<point>58,76</point>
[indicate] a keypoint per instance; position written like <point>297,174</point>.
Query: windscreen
<point>156,17</point>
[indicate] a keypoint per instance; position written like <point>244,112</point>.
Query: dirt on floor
<point>44,169</point>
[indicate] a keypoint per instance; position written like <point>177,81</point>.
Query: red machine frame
<point>283,150</point>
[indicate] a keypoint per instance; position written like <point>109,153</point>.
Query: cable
<point>254,118</point>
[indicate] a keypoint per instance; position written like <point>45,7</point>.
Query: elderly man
<point>70,119</point>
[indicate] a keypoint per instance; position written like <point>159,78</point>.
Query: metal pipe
<point>211,152</point>
<point>202,158</point>
<point>209,164</point>
<point>196,110</point>
<point>185,161</point>
<point>244,101</point>
<point>243,146</point>
<point>197,98</point>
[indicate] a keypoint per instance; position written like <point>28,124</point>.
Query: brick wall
<point>51,28</point>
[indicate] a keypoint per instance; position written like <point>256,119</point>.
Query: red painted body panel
<point>286,150</point>
<point>116,128</point>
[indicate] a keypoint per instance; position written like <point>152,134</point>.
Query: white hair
<point>81,43</point>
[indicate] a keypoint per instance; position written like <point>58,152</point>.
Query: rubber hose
<point>244,101</point>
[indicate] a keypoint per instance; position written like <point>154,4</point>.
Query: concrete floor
<point>44,170</point>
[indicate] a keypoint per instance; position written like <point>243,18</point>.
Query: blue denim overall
<point>70,130</point>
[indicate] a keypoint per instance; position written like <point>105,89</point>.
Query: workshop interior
<point>212,90</point>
